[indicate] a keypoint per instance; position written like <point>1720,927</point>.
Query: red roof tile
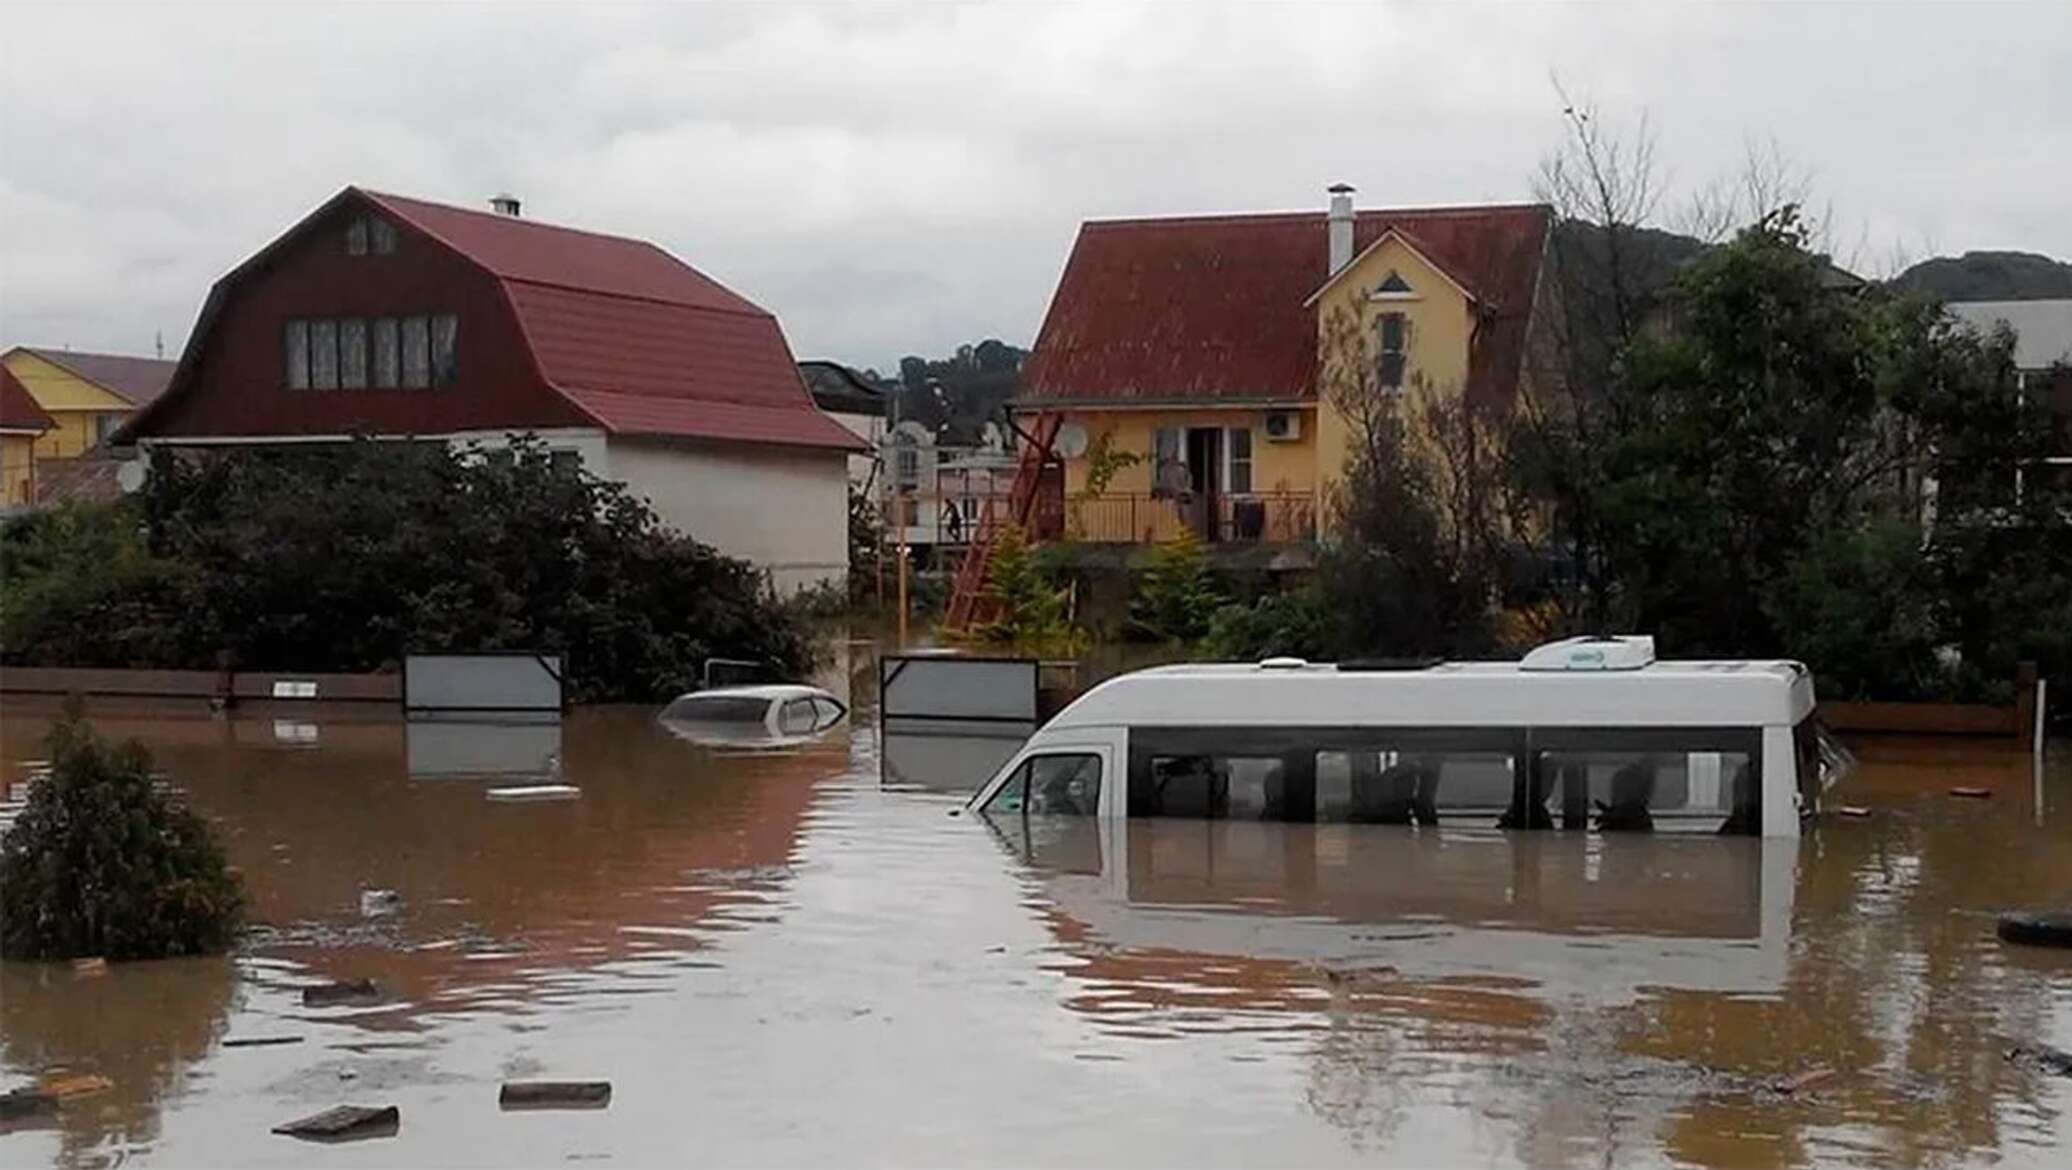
<point>639,340</point>
<point>642,341</point>
<point>140,380</point>
<point>1213,307</point>
<point>18,411</point>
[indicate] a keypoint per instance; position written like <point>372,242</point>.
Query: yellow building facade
<point>84,412</point>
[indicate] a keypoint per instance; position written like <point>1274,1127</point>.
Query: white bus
<point>1585,733</point>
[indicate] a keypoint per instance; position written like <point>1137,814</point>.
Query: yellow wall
<point>1276,466</point>
<point>71,401</point>
<point>1438,325</point>
<point>17,459</point>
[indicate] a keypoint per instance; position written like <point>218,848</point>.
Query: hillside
<point>1990,276</point>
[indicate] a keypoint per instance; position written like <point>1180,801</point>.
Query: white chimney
<point>1341,226</point>
<point>504,205</point>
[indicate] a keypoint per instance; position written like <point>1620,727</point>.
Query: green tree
<point>1176,595</point>
<point>1029,609</point>
<point>105,862</point>
<point>349,557</point>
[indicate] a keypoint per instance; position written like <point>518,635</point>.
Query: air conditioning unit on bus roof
<point>1621,652</point>
<point>1283,426</point>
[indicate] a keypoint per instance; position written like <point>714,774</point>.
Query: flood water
<point>778,959</point>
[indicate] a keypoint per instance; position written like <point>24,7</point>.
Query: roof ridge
<point>1284,216</point>
<point>499,217</point>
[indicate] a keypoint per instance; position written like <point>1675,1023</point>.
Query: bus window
<point>1220,786</point>
<point>1378,786</point>
<point>1615,790</point>
<point>1064,784</point>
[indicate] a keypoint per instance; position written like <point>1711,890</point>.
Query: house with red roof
<point>1190,368</point>
<point>22,424</point>
<point>403,319</point>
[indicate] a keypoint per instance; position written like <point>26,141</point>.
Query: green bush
<point>1296,622</point>
<point>1031,612</point>
<point>102,862</point>
<point>1176,596</point>
<point>349,557</point>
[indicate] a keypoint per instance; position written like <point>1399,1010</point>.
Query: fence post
<point>2024,699</point>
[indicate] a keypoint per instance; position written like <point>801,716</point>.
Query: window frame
<point>1024,771</point>
<point>1398,357</point>
<point>1231,462</point>
<point>295,353</point>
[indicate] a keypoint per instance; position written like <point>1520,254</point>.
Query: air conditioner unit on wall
<point>1283,426</point>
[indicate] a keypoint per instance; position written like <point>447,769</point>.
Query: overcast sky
<point>901,177</point>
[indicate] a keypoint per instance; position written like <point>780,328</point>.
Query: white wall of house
<point>871,429</point>
<point>784,508</point>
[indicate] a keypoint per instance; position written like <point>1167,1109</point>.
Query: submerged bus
<point>1582,734</point>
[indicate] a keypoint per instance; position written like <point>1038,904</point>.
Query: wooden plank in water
<point>536,792</point>
<point>555,1095</point>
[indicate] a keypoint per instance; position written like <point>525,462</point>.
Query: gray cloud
<point>895,178</point>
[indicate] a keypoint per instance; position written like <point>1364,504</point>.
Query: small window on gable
<point>1393,285</point>
<point>369,233</point>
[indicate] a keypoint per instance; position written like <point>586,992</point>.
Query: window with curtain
<point>352,353</point>
<point>1392,329</point>
<point>1238,443</point>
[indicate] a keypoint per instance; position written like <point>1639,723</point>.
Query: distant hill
<point>1990,276</point>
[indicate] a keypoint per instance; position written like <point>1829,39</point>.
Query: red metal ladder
<point>968,602</point>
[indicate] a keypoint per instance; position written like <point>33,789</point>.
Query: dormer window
<point>369,234</point>
<point>1394,288</point>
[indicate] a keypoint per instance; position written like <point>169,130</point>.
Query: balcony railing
<point>1137,518</point>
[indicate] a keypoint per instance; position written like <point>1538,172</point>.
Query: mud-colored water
<point>777,960</point>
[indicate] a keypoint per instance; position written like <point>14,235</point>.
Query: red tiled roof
<point>140,380</point>
<point>1214,307</point>
<point>18,411</point>
<point>642,341</point>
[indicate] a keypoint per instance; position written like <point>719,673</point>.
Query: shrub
<point>1031,611</point>
<point>102,862</point>
<point>1297,622</point>
<point>1176,595</point>
<point>349,557</point>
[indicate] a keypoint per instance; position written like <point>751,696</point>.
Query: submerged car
<point>773,715</point>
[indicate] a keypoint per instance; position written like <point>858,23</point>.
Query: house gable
<point>56,388</point>
<point>233,378</point>
<point>555,328</point>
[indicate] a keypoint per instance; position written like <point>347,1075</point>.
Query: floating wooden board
<point>344,1123</point>
<point>536,792</point>
<point>555,1095</point>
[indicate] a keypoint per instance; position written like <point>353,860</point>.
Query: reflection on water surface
<point>782,957</point>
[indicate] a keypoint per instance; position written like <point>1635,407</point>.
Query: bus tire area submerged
<point>2046,929</point>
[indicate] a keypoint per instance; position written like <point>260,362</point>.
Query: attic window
<point>1393,285</point>
<point>369,233</point>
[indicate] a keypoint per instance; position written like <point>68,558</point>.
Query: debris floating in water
<point>1852,810</point>
<point>1971,793</point>
<point>60,1086</point>
<point>346,991</point>
<point>260,1041</point>
<point>1804,1080</point>
<point>2043,1056</point>
<point>344,1123</point>
<point>90,966</point>
<point>2036,929</point>
<point>555,1095</point>
<point>536,792</point>
<point>376,903</point>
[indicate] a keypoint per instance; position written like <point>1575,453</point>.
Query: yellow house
<point>22,423</point>
<point>1196,369</point>
<point>86,395</point>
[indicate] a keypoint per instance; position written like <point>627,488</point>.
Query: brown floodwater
<point>778,959</point>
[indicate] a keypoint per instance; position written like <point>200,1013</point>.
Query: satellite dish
<point>1071,441</point>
